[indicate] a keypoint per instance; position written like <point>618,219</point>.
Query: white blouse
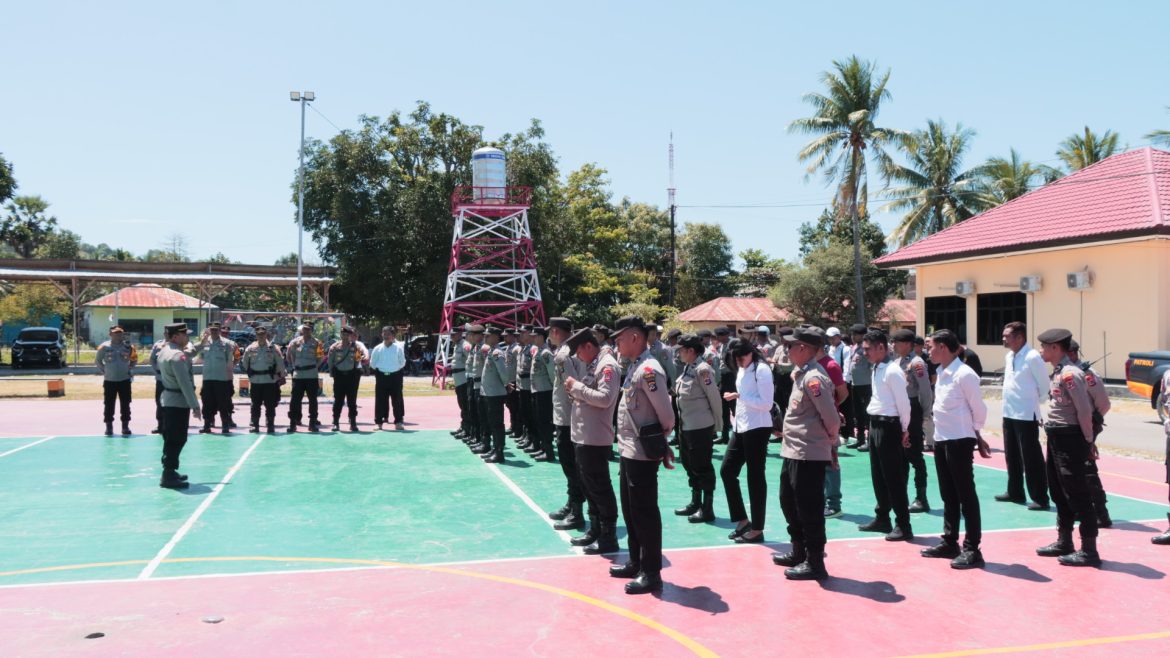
<point>753,409</point>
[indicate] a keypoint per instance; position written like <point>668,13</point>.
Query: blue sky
<point>141,120</point>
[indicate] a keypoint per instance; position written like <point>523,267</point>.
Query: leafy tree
<point>817,291</point>
<point>61,244</point>
<point>25,227</point>
<point>816,237</point>
<point>1080,151</point>
<point>705,260</point>
<point>1004,179</point>
<point>760,273</point>
<point>7,180</point>
<point>935,192</point>
<point>33,303</point>
<point>846,136</point>
<point>174,249</point>
<point>1158,137</point>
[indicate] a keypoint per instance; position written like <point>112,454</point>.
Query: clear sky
<point>138,120</point>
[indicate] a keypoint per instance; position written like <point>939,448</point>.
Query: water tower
<point>491,276</point>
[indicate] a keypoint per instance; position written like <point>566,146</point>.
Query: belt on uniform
<point>173,390</point>
<point>886,419</point>
<point>1054,426</point>
<point>454,370</point>
<point>476,379</point>
<point>301,368</point>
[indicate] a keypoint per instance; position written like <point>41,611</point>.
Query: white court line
<point>182,531</point>
<point>1107,493</point>
<point>27,445</point>
<point>531,504</point>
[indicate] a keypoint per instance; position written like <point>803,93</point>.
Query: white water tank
<point>489,174</point>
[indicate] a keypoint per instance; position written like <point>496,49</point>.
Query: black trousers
<point>727,385</point>
<point>473,411</point>
<point>694,449</point>
<point>263,395</point>
<point>639,483</point>
<point>888,470</point>
<point>568,457</point>
<point>387,392</point>
<point>802,498</point>
<point>859,396</point>
<point>524,398</point>
<point>751,448</point>
<point>593,468</point>
<point>1067,453</point>
<point>493,408</point>
<point>120,391</point>
<point>345,387</point>
<point>216,397</point>
<point>301,387</point>
<point>954,462</point>
<point>1025,460</point>
<point>914,452</point>
<point>1096,488</point>
<point>542,413</point>
<point>174,433</point>
<point>158,391</point>
<point>481,408</point>
<point>783,392</point>
<point>513,404</point>
<point>846,409</point>
<point>461,398</point>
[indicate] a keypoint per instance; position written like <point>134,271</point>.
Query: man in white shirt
<point>959,414</point>
<point>888,411</point>
<point>1025,388</point>
<point>387,360</point>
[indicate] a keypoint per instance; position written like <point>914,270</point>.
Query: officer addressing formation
<point>115,361</point>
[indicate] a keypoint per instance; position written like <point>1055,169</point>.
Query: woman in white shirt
<point>754,392</point>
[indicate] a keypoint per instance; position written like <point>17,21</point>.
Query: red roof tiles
<point>1125,195</point>
<point>761,309</point>
<point>149,295</point>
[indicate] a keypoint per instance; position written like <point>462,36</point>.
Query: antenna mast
<point>670,202</point>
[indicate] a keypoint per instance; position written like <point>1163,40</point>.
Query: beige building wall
<point>1127,309</point>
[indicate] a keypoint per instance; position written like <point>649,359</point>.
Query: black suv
<point>39,345</point>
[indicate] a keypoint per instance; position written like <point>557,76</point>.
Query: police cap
<point>213,325</point>
<point>858,329</point>
<point>116,329</point>
<point>704,333</point>
<point>814,336</point>
<point>564,324</point>
<point>540,331</point>
<point>673,333</point>
<point>475,328</point>
<point>692,341</point>
<point>629,322</point>
<point>582,336</point>
<point>722,332</point>
<point>494,331</point>
<point>176,328</point>
<point>1054,336</point>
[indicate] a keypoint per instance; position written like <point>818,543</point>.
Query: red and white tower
<point>491,277</point>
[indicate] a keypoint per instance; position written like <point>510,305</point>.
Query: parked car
<point>40,346</point>
<point>1143,376</point>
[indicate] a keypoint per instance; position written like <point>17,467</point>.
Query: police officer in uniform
<point>219,356</point>
<point>594,397</point>
<point>662,354</point>
<point>1101,406</point>
<point>158,387</point>
<point>1070,441</point>
<point>569,516</point>
<point>858,373</point>
<point>512,401</point>
<point>483,437</point>
<point>726,370</point>
<point>265,365</point>
<point>524,386</point>
<point>458,374</point>
<point>303,356</point>
<point>811,423</point>
<point>1164,404</point>
<point>116,359</point>
<point>782,378</point>
<point>921,402</point>
<point>644,419</point>
<point>345,361</point>
<point>475,373</point>
<point>178,402</point>
<point>542,376</point>
<point>494,385</point>
<point>700,412</point>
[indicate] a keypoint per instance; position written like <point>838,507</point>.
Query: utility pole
<point>302,98</point>
<point>670,201</point>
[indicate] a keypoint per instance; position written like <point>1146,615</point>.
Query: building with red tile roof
<point>142,310</point>
<point>736,313</point>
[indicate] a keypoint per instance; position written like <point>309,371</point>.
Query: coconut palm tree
<point>846,135</point>
<point>1080,151</point>
<point>1160,137</point>
<point>934,191</point>
<point>1004,179</point>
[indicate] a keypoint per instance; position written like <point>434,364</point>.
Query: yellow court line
<point>1130,477</point>
<point>690,644</point>
<point>1048,646</point>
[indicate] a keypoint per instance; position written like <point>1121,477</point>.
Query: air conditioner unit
<point>1029,284</point>
<point>965,288</point>
<point>1080,280</point>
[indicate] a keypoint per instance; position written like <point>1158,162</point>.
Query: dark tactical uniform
<point>303,358</point>
<point>116,361</point>
<point>696,392</point>
<point>264,365</point>
<point>178,399</point>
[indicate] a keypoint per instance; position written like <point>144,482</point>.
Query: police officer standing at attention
<point>811,423</point>
<point>303,356</point>
<point>921,402</point>
<point>483,438</point>
<point>524,385</point>
<point>859,376</point>
<point>178,402</point>
<point>644,419</point>
<point>726,378</point>
<point>595,397</point>
<point>158,388</point>
<point>265,365</point>
<point>458,374</point>
<point>345,360</point>
<point>219,356</point>
<point>474,374</point>
<point>889,434</point>
<point>116,359</point>
<point>495,390</point>
<point>697,395</point>
<point>512,401</point>
<point>1070,439</point>
<point>1101,406</point>
<point>569,516</point>
<point>543,373</point>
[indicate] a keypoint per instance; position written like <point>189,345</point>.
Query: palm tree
<point>844,124</point>
<point>1160,137</point>
<point>935,192</point>
<point>1080,151</point>
<point>1004,179</point>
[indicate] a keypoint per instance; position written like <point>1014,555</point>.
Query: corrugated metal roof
<point>761,309</point>
<point>149,295</point>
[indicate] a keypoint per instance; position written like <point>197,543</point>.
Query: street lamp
<point>301,97</point>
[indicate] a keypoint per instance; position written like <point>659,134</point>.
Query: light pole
<point>301,97</point>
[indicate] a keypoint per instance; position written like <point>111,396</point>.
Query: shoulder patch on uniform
<point>814,387</point>
<point>707,380</point>
<point>182,357</point>
<point>651,378</point>
<point>607,373</point>
<point>919,369</point>
<point>1090,379</point>
<point>532,351</point>
<point>1068,380</point>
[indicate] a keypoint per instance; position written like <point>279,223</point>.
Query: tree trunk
<point>858,288</point>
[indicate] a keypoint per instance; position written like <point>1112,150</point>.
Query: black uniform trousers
<point>481,408</point>
<point>568,457</point>
<point>473,411</point>
<point>954,461</point>
<point>513,404</point>
<point>301,387</point>
<point>216,397</point>
<point>493,406</point>
<point>174,433</point>
<point>1067,453</point>
<point>751,448</point>
<point>387,396</point>
<point>263,395</point>
<point>593,467</point>
<point>345,387</point>
<point>461,398</point>
<point>859,396</point>
<point>914,452</point>
<point>1025,460</point>
<point>524,404</point>
<point>783,391</point>
<point>695,447</point>
<point>158,391</point>
<point>802,499</point>
<point>888,469</point>
<point>121,392</point>
<point>846,410</point>
<point>727,385</point>
<point>639,483</point>
<point>542,413</point>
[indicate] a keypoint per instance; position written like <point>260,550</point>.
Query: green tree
<point>706,263</point>
<point>1081,150</point>
<point>32,303</point>
<point>846,136</point>
<point>25,226</point>
<point>61,244</point>
<point>817,291</point>
<point>1157,137</point>
<point>1004,179</point>
<point>933,189</point>
<point>818,236</point>
<point>7,180</point>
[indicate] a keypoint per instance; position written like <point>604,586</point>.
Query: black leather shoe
<point>900,534</point>
<point>255,429</point>
<point>968,560</point>
<point>806,571</point>
<point>561,513</point>
<point>722,441</point>
<point>156,431</point>
<point>172,481</point>
<point>1039,507</point>
<point>644,584</point>
<point>336,426</point>
<point>603,546</point>
<point>1103,518</point>
<point>703,515</point>
<point>292,428</point>
<point>1008,498</point>
<point>204,430</point>
<point>480,448</point>
<point>1080,559</point>
<point>627,570</point>
<point>493,457</point>
<point>271,428</point>
<point>571,522</point>
<point>1162,539</point>
<point>919,505</point>
<point>314,427</point>
<point>1056,549</point>
<point>744,539</point>
<point>353,427</point>
<point>126,432</point>
<point>789,559</point>
<point>586,539</point>
<point>876,525</point>
<point>738,531</point>
<point>688,509</point>
<point>863,447</point>
<point>943,549</point>
<point>109,429</point>
<point>181,476</point>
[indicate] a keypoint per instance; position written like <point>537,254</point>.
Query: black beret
<point>1054,336</point>
<point>919,340</point>
<point>176,328</point>
<point>785,331</point>
<point>673,333</point>
<point>903,336</point>
<point>858,329</point>
<point>495,331</point>
<point>540,331</point>
<point>814,336</point>
<point>704,333</point>
<point>722,331</point>
<point>560,323</point>
<point>692,341</point>
<point>582,336</point>
<point>628,322</point>
<point>1074,346</point>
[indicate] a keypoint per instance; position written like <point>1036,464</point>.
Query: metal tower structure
<point>491,276</point>
<point>670,204</point>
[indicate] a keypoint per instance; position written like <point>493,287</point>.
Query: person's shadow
<point>197,489</point>
<point>1018,571</point>
<point>878,591</point>
<point>1133,569</point>
<point>698,598</point>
